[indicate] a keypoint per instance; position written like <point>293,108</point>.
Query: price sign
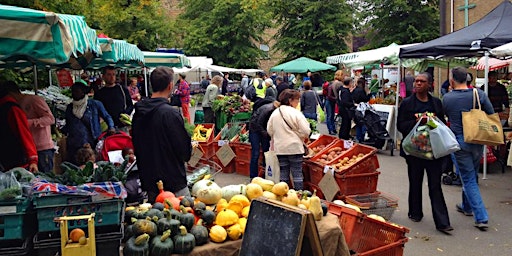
<point>348,144</point>
<point>222,143</point>
<point>194,158</point>
<point>225,154</point>
<point>329,168</point>
<point>329,186</point>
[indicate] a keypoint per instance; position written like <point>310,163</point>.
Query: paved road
<point>425,240</point>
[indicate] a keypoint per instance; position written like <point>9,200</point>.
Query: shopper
<point>360,94</point>
<point>40,120</point>
<point>161,143</point>
<point>309,101</point>
<point>134,89</point>
<point>258,135</point>
<point>271,91</point>
<point>17,148</point>
<point>288,128</point>
<point>332,98</point>
<point>83,121</point>
<point>459,100</point>
<point>209,96</point>
<point>420,102</point>
<point>183,91</point>
<point>346,108</point>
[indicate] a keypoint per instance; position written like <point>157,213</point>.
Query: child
<point>128,152</point>
<point>84,155</point>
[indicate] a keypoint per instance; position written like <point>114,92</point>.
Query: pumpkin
<point>200,233</point>
<point>144,227</point>
<point>242,199</point>
<point>162,245</point>
<point>207,191</point>
<point>253,190</point>
<point>75,235</point>
<point>128,232</point>
<point>245,211</point>
<point>231,190</point>
<point>208,217</point>
<point>301,206</point>
<point>243,223</point>
<point>168,223</point>
<point>132,213</point>
<point>173,203</point>
<point>153,213</point>
<point>291,198</point>
<point>144,207</point>
<point>218,234</point>
<point>324,208</point>
<point>315,207</point>
<point>307,192</point>
<point>234,231</point>
<point>236,207</point>
<point>187,219</point>
<point>269,195</point>
<point>226,218</point>
<point>305,200</point>
<point>184,242</point>
<point>221,205</point>
<point>266,185</point>
<point>187,201</point>
<point>199,207</point>
<point>163,194</point>
<point>280,189</point>
<point>158,206</point>
<point>83,240</point>
<point>137,246</point>
<point>175,214</point>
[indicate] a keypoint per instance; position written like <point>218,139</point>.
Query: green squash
<point>199,208</point>
<point>175,214</point>
<point>168,223</point>
<point>200,233</point>
<point>145,226</point>
<point>208,217</point>
<point>137,246</point>
<point>152,213</point>
<point>324,208</point>
<point>187,201</point>
<point>158,206</point>
<point>184,242</point>
<point>162,245</point>
<point>187,219</point>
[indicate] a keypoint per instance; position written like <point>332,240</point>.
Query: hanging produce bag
<point>442,139</point>
<point>272,169</point>
<point>417,142</point>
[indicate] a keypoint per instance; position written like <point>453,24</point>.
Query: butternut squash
<point>315,207</point>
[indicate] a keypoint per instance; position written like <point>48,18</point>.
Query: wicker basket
<point>375,203</point>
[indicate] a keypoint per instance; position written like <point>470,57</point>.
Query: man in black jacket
<point>420,102</point>
<point>162,145</point>
<point>258,136</point>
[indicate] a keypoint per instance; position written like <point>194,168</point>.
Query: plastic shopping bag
<point>417,142</point>
<point>320,113</point>
<point>442,139</point>
<point>272,169</point>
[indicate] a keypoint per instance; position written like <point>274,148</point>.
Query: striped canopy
<point>118,53</point>
<point>43,38</point>
<point>493,64</point>
<point>423,63</point>
<point>155,59</point>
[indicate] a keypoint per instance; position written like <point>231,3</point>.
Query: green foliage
<point>225,30</point>
<point>314,29</point>
<point>72,175</point>
<point>399,21</point>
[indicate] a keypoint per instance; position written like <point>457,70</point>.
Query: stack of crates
<point>108,219</point>
<point>17,226</point>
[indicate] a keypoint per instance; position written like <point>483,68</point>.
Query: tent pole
<point>486,89</point>
<point>146,82</point>
<point>35,78</point>
<point>50,76</point>
<point>397,93</point>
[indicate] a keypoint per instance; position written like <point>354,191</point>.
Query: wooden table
<point>331,237</point>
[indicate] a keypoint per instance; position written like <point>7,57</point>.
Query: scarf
<point>79,107</point>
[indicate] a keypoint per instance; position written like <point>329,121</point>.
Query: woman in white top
<point>288,128</point>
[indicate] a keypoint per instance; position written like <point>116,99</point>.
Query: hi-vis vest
<point>259,92</point>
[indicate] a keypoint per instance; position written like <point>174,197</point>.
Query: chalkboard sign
<point>274,228</point>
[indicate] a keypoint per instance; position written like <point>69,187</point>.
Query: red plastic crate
<point>336,143</point>
<point>305,171</point>
<point>325,140</point>
<point>369,163</point>
<point>349,184</point>
<point>230,168</point>
<point>242,151</point>
<point>242,167</point>
<point>394,249</point>
<point>365,234</point>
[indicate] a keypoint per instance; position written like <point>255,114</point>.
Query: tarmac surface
<point>424,239</point>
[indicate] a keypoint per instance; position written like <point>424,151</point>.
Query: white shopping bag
<point>272,169</point>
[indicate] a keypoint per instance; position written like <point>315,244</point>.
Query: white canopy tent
<point>388,54</point>
<point>503,51</point>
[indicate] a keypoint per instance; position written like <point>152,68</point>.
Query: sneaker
<point>482,225</point>
<point>414,219</point>
<point>332,133</point>
<point>459,209</point>
<point>446,229</point>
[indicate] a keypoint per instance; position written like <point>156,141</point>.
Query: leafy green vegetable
<point>72,175</point>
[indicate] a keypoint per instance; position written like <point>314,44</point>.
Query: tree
<point>310,28</point>
<point>225,30</point>
<point>398,21</point>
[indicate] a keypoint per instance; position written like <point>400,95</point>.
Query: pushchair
<point>109,147</point>
<point>375,127</point>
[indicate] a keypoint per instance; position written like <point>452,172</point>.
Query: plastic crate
<point>369,162</point>
<point>229,168</point>
<point>375,203</point>
<point>242,151</point>
<point>16,226</point>
<point>107,244</point>
<point>306,172</point>
<point>242,167</point>
<point>325,140</point>
<point>241,117</point>
<point>108,212</point>
<point>336,143</point>
<point>207,146</point>
<point>364,234</point>
<point>18,205</point>
<point>393,249</point>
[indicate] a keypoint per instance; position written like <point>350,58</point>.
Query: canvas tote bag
<point>481,128</point>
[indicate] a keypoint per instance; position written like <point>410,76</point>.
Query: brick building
<point>456,10</point>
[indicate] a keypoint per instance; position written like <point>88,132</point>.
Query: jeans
<point>293,164</point>
<point>311,116</point>
<point>468,160</point>
<point>329,116</point>
<point>360,132</point>
<point>45,163</point>
<point>258,142</point>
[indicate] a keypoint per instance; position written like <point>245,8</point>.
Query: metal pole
<point>396,100</point>
<point>35,79</point>
<point>146,81</point>
<point>50,76</point>
<point>486,89</point>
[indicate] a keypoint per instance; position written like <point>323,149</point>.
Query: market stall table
<point>331,237</point>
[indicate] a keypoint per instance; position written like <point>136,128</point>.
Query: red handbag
<point>491,158</point>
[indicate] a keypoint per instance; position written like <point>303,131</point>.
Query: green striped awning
<point>118,53</point>
<point>43,38</point>
<point>422,64</point>
<point>155,59</point>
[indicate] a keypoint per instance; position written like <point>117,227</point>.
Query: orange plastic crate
<point>394,249</point>
<point>325,140</point>
<point>207,146</point>
<point>230,168</point>
<point>369,163</point>
<point>242,167</point>
<point>242,151</point>
<point>364,234</point>
<point>336,143</point>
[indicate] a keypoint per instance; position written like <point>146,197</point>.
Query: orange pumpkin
<point>76,234</point>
